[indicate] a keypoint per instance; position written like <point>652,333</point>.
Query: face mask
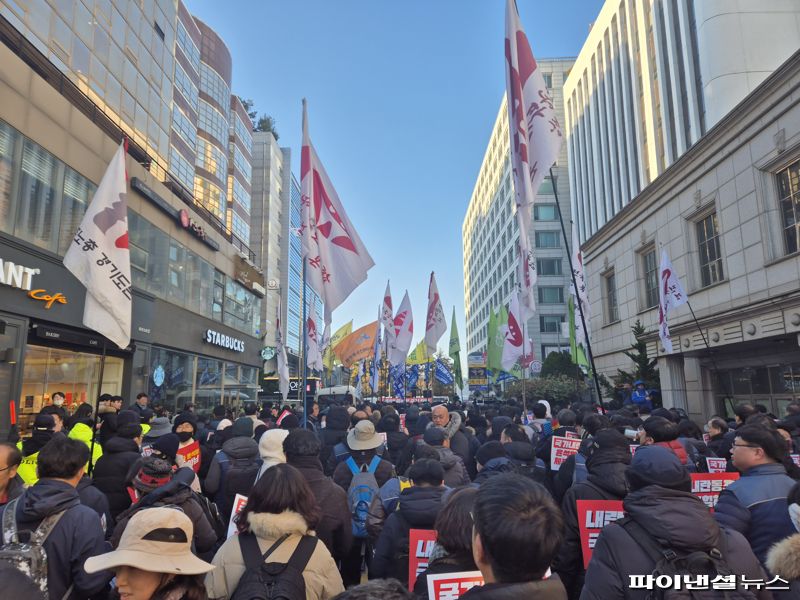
<point>185,436</point>
<point>58,401</point>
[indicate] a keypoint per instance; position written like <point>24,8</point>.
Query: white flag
<point>360,382</point>
<point>670,295</point>
<point>435,323</point>
<point>99,256</point>
<point>535,138</point>
<point>283,363</point>
<point>386,318</point>
<point>403,332</point>
<point>313,352</point>
<point>582,293</point>
<point>337,259</point>
<point>516,345</point>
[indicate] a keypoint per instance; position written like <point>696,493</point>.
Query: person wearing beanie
<point>185,427</point>
<point>334,529</point>
<point>418,507</point>
<point>396,440</point>
<point>270,448</point>
<point>756,504</point>
<point>455,473</point>
<point>110,474</point>
<point>492,460</point>
<point>662,514</point>
<point>43,431</point>
<point>156,483</point>
<point>334,433</point>
<point>608,457</point>
<point>233,469</point>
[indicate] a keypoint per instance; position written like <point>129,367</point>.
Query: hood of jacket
<point>521,452</point>
<point>420,505</point>
<point>499,464</point>
<point>396,440</point>
<point>678,518</point>
<point>241,447</point>
<point>447,458</point>
<point>610,477</point>
<point>453,425</point>
<point>46,497</point>
<point>337,419</point>
<point>270,446</point>
<point>271,526</point>
<point>118,445</point>
<point>784,558</point>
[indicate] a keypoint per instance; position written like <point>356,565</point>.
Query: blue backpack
<point>363,489</point>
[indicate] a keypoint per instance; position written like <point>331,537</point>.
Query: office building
<point>490,234</point>
<point>651,79</point>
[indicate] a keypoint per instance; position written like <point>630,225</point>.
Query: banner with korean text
<point>707,486</point>
<point>593,515</point>
<point>561,448</point>
<point>420,546</point>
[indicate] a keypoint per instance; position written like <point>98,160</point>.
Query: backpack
<point>273,581</point>
<point>238,477</point>
<point>363,488</point>
<point>29,558</point>
<point>680,566</point>
<point>580,473</point>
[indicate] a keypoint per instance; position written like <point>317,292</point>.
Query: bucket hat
<point>363,436</point>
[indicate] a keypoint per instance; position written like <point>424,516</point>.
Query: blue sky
<point>402,96</point>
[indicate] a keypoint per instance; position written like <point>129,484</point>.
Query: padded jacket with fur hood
<point>784,559</point>
<point>321,576</point>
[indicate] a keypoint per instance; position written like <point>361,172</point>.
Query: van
<point>336,394</point>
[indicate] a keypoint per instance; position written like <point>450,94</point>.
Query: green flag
<point>575,347</point>
<point>455,351</point>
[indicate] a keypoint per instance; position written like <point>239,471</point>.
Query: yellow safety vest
<point>27,468</point>
<point>145,429</point>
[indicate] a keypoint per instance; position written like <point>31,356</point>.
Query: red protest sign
<point>449,586</point>
<point>716,465</point>
<point>561,448</point>
<point>573,435</point>
<point>795,457</point>
<point>633,448</point>
<point>190,456</point>
<point>239,503</point>
<point>420,546</point>
<point>707,486</point>
<point>593,515</point>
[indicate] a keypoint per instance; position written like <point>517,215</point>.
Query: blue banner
<point>398,385</point>
<point>443,374</point>
<point>412,376</point>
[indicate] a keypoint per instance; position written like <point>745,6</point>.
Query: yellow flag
<point>419,355</point>
<point>329,358</point>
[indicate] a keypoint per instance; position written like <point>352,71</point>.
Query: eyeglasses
<point>745,446</point>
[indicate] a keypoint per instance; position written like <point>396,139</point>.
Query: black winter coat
<point>241,454</point>
<point>329,438</point>
<point>682,522</point>
<point>606,482</point>
<point>96,500</point>
<point>396,442</point>
<point>76,537</point>
<point>417,509</point>
<point>549,589</point>
<point>111,471</point>
<point>455,473</point>
<point>493,467</point>
<point>438,566</point>
<point>335,529</point>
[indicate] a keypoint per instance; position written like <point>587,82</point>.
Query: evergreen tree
<point>644,367</point>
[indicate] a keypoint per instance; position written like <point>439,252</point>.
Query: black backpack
<point>238,477</point>
<point>680,565</point>
<point>273,581</point>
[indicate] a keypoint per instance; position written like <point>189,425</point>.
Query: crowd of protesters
<point>264,503</point>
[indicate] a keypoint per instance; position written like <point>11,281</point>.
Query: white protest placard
<point>716,465</point>
<point>449,586</point>
<point>561,448</point>
<point>238,504</point>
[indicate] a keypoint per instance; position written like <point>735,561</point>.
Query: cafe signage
<point>223,341</point>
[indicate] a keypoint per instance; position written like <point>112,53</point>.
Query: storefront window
<point>49,370</point>
<point>208,384</point>
<point>171,379</point>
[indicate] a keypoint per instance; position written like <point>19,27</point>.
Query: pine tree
<point>644,368</point>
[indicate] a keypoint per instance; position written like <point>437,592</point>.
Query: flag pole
<point>97,408</point>
<point>575,286</point>
<point>305,350</point>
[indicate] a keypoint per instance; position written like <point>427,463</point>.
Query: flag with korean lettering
<point>99,256</point>
<point>581,292</point>
<point>535,139</point>
<point>403,332</point>
<point>337,259</point>
<point>313,351</point>
<point>435,323</point>
<point>670,295</point>
<point>387,318</point>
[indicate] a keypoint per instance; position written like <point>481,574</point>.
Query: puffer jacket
<point>682,522</point>
<point>783,559</point>
<point>446,563</point>
<point>396,442</point>
<point>240,453</point>
<point>605,482</point>
<point>76,537</point>
<point>756,507</point>
<point>548,589</point>
<point>455,473</point>
<point>81,431</point>
<point>417,509</point>
<point>96,500</point>
<point>110,472</point>
<point>493,467</point>
<point>460,441</point>
<point>335,432</point>
<point>321,577</point>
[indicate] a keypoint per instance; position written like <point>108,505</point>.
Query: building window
<point>612,308</point>
<point>708,245</point>
<point>789,190</point>
<point>650,271</point>
<point>37,197</point>
<point>551,323</point>
<point>547,239</point>
<point>544,212</point>
<point>551,295</point>
<point>548,80</point>
<point>549,266</point>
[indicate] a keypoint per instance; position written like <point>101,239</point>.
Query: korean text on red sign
<point>449,586</point>
<point>420,546</point>
<point>561,448</point>
<point>593,515</point>
<point>707,486</point>
<point>716,465</point>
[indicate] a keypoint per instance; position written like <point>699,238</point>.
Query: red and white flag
<point>435,323</point>
<point>387,318</point>
<point>670,295</point>
<point>535,137</point>
<point>313,350</point>
<point>582,293</point>
<point>99,256</point>
<point>283,363</point>
<point>516,345</point>
<point>337,259</point>
<point>403,332</point>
